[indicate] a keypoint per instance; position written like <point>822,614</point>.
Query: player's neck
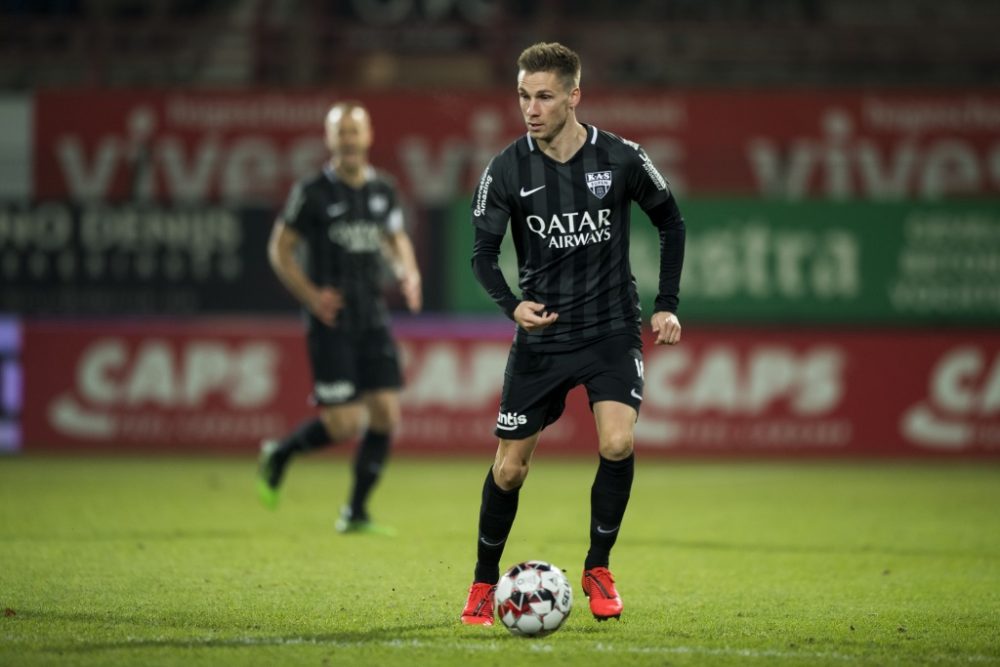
<point>564,145</point>
<point>352,175</point>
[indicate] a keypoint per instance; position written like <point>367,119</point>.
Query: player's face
<point>349,136</point>
<point>546,103</point>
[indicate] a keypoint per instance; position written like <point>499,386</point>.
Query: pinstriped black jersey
<point>570,226</point>
<point>343,229</point>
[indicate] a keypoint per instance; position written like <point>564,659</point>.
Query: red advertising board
<point>222,386</point>
<point>160,386</point>
<point>204,146</point>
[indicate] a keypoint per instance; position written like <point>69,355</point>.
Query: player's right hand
<point>532,316</point>
<point>325,305</point>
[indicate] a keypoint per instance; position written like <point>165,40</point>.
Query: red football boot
<point>479,607</point>
<point>599,586</point>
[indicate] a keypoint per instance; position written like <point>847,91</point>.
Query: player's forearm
<point>667,217</point>
<point>671,263</point>
<point>295,281</point>
<point>280,253</point>
<point>486,268</point>
<point>403,256</point>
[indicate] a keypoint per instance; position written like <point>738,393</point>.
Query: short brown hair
<point>552,57</point>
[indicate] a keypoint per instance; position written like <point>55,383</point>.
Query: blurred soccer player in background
<point>566,190</point>
<point>346,217</point>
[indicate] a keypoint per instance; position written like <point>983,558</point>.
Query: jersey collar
<point>591,129</point>
<point>331,173</point>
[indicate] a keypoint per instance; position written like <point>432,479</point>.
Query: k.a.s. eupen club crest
<point>599,182</point>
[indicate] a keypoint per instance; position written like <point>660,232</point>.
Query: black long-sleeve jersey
<point>343,229</point>
<point>570,226</point>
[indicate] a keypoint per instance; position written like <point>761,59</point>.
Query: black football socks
<point>368,463</point>
<point>308,436</point>
<point>608,498</point>
<point>496,517</point>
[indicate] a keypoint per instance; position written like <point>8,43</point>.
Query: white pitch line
<point>498,645</point>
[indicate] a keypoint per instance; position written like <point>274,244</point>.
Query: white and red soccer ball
<point>533,599</point>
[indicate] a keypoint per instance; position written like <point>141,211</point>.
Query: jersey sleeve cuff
<point>666,304</point>
<point>509,307</point>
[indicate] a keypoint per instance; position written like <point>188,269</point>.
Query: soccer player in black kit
<point>344,216</point>
<point>566,190</point>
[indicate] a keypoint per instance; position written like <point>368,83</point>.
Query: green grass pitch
<point>168,561</point>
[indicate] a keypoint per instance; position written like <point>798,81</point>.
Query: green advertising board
<point>754,261</point>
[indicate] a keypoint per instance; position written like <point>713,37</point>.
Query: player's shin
<point>373,451</point>
<point>308,436</point>
<point>496,517</point>
<point>608,499</point>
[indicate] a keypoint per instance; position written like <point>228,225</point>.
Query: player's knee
<point>385,425</point>
<point>616,446</point>
<point>384,421</point>
<point>510,474</point>
<point>384,413</point>
<point>341,424</point>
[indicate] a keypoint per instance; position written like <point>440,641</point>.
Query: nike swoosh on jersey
<point>527,193</point>
<point>337,210</point>
<point>635,395</point>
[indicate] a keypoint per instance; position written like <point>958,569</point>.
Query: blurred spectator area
<point>472,43</point>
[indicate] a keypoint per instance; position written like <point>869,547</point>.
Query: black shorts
<point>536,382</point>
<point>346,365</point>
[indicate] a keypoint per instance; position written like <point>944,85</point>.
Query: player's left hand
<point>532,316</point>
<point>667,328</point>
<point>410,286</point>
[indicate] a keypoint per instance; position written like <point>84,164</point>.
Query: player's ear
<point>574,97</point>
<point>368,129</point>
<point>367,126</point>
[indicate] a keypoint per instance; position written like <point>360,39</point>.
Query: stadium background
<point>837,162</point>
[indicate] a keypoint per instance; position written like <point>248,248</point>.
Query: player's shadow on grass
<point>816,549</point>
<point>347,639</point>
<point>777,548</point>
<point>203,634</point>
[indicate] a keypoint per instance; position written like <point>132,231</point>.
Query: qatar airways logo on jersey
<point>572,230</point>
<point>360,237</point>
